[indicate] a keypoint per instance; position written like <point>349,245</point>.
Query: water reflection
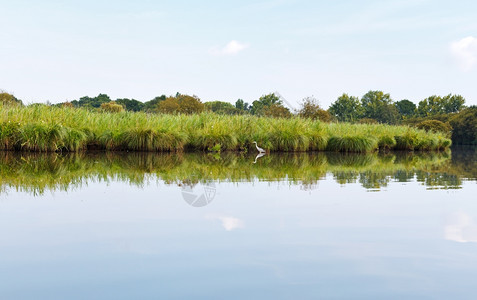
<point>461,228</point>
<point>39,172</point>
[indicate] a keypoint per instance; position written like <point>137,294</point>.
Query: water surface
<point>290,226</point>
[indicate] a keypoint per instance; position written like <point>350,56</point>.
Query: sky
<point>59,51</point>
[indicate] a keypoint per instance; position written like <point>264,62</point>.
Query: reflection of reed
<point>39,172</point>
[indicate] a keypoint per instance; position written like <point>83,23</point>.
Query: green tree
<point>264,101</point>
<point>437,105</point>
<point>189,104</point>
<point>453,103</point>
<point>464,126</point>
<point>131,104</point>
<point>406,108</point>
<point>433,105</point>
<point>89,102</point>
<point>9,99</point>
<point>221,107</point>
<point>435,126</point>
<point>346,108</point>
<point>152,105</point>
<point>276,111</point>
<point>168,106</point>
<point>241,105</point>
<point>310,109</point>
<point>379,106</point>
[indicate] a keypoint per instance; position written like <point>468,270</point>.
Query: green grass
<point>42,128</point>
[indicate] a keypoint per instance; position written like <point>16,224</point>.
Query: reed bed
<point>42,128</point>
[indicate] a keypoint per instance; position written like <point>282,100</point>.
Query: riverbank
<point>44,128</point>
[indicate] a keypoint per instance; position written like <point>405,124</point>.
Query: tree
<point>435,126</point>
<point>346,108</point>
<point>189,104</point>
<point>310,109</point>
<point>437,105</point>
<point>276,111</point>
<point>221,107</point>
<point>152,105</point>
<point>379,106</point>
<point>464,126</point>
<point>66,104</point>
<point>430,106</point>
<point>183,104</point>
<point>406,108</point>
<point>241,105</point>
<point>89,102</point>
<point>9,99</point>
<point>453,103</point>
<point>168,106</point>
<point>130,104</point>
<point>264,101</point>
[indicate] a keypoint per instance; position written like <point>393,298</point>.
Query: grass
<point>43,128</point>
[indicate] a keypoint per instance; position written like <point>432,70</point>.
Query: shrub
<point>168,106</point>
<point>67,104</point>
<point>276,111</point>
<point>112,107</point>
<point>464,126</point>
<point>435,126</point>
<point>189,104</point>
<point>8,99</point>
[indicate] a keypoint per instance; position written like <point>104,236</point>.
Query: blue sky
<point>62,50</point>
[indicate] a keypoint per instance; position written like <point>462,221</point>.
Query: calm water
<point>298,226</point>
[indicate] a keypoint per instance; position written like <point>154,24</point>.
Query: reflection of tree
<point>403,176</point>
<point>345,177</point>
<point>373,180</point>
<point>442,180</point>
<point>55,171</point>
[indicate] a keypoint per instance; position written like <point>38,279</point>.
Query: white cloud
<point>232,48</point>
<point>461,228</point>
<point>228,223</point>
<point>465,52</point>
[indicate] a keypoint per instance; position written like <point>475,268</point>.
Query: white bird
<point>258,148</point>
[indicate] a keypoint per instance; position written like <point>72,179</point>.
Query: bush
<point>112,107</point>
<point>67,104</point>
<point>276,111</point>
<point>8,99</point>
<point>435,126</point>
<point>464,126</point>
<point>183,104</point>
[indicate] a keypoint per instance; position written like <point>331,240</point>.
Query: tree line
<point>447,113</point>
